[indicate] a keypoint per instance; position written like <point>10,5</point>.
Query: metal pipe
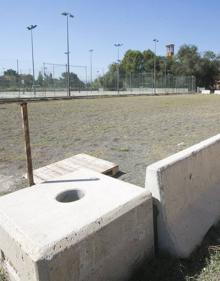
<point>31,27</point>
<point>155,56</point>
<point>91,70</point>
<point>118,45</point>
<point>67,15</point>
<point>24,112</point>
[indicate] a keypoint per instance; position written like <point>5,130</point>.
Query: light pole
<point>31,27</point>
<point>68,15</point>
<point>91,57</point>
<point>45,80</point>
<point>165,71</point>
<point>98,77</point>
<point>155,56</point>
<point>18,77</point>
<point>118,45</point>
<point>86,75</point>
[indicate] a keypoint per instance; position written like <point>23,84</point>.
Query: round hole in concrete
<point>69,196</point>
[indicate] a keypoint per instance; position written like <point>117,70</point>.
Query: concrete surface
<point>103,235</point>
<point>186,191</point>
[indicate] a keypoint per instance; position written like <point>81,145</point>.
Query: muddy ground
<point>131,131</point>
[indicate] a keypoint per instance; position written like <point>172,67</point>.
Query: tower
<point>170,50</point>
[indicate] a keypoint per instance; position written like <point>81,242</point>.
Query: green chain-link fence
<point>51,80</point>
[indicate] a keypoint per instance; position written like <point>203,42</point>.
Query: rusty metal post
<point>24,113</point>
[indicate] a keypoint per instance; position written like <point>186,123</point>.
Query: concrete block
<point>206,92</point>
<point>186,191</point>
<point>82,226</point>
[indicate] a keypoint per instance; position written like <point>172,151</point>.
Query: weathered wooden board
<point>72,164</point>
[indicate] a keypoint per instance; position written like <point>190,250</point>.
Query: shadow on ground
<point>203,265</point>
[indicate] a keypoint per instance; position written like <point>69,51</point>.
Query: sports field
<point>130,131</point>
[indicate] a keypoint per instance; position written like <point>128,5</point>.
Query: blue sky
<point>98,24</point>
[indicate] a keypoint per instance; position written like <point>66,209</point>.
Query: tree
<point>10,73</point>
<point>109,79</point>
<point>10,78</point>
<point>133,68</point>
<point>209,55</point>
<point>40,79</point>
<point>209,70</point>
<point>75,82</point>
<point>187,61</point>
<point>27,80</point>
<point>133,61</point>
<point>148,61</point>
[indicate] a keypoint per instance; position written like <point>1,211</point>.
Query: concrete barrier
<point>186,191</point>
<point>158,91</point>
<point>217,92</point>
<point>206,92</point>
<point>83,226</point>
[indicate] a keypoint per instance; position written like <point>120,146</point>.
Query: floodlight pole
<point>18,80</point>
<point>31,27</point>
<point>98,76</point>
<point>86,75</point>
<point>118,45</point>
<point>68,55</point>
<point>165,66</point>
<point>32,47</point>
<point>91,70</point>
<point>67,15</point>
<point>155,56</point>
<point>45,84</point>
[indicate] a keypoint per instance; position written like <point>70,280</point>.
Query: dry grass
<point>131,131</point>
<point>203,265</point>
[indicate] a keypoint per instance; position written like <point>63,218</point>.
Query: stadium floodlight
<point>155,56</point>
<point>68,15</point>
<point>118,45</point>
<point>91,70</point>
<point>30,28</point>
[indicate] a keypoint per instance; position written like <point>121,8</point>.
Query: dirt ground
<point>131,131</point>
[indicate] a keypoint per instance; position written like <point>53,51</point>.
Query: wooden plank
<point>94,163</point>
<point>72,164</point>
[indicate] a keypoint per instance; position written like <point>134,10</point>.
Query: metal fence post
<point>24,113</point>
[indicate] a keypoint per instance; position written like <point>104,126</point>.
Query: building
<point>170,50</point>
